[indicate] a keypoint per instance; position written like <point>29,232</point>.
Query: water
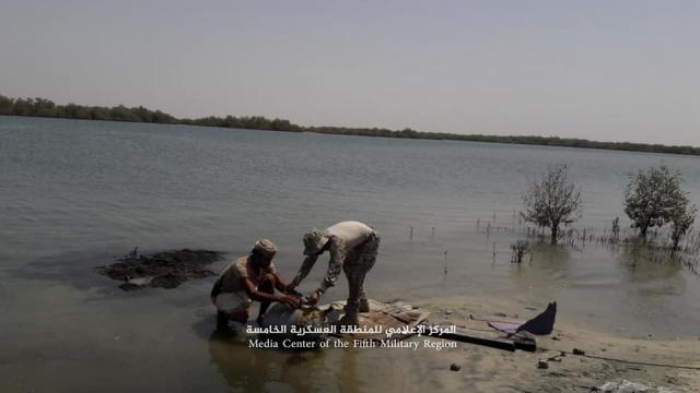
<point>74,195</point>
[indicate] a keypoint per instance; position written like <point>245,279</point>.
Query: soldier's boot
<point>364,305</point>
<point>351,311</point>
<point>349,320</point>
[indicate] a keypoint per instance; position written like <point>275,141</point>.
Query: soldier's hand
<point>290,288</point>
<point>313,299</point>
<point>290,301</point>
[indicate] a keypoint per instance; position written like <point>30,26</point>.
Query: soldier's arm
<point>338,254</point>
<point>254,294</point>
<point>279,284</point>
<point>304,270</point>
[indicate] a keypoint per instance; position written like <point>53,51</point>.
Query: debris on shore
<point>167,269</point>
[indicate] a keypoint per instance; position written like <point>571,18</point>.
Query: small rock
<point>542,364</point>
<point>556,338</point>
<point>140,281</point>
<point>455,367</point>
<point>448,312</point>
<point>579,352</point>
<point>500,314</point>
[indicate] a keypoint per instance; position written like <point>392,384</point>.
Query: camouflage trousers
<point>358,262</point>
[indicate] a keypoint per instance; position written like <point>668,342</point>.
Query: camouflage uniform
<point>354,261</point>
<point>358,262</point>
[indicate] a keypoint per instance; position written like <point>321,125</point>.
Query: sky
<point>625,70</point>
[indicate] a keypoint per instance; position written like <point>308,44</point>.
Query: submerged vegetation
<point>660,212</point>
<point>41,107</point>
<point>552,200</point>
<point>658,248</point>
<point>520,249</point>
<point>654,198</point>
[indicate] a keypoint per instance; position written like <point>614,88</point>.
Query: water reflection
<point>247,369</point>
<point>544,261</point>
<point>551,257</point>
<point>262,369</point>
<point>347,372</point>
<point>641,263</point>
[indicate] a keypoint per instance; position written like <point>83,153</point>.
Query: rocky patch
<point>167,269</point>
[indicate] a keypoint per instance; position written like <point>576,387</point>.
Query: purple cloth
<point>506,327</point>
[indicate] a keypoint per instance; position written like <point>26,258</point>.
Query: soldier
<point>253,277</point>
<point>353,248</point>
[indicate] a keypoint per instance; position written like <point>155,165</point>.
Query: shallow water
<point>74,195</point>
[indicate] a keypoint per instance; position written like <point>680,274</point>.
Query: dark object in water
<point>167,269</point>
<point>455,367</point>
<point>540,325</point>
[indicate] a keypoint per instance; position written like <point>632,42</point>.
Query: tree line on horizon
<point>42,107</point>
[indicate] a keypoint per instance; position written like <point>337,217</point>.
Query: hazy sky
<point>606,70</point>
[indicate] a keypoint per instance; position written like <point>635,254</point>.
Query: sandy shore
<point>421,368</point>
<point>484,369</point>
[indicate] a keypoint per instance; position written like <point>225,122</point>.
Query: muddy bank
<point>167,269</point>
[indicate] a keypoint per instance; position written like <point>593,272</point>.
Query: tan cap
<point>265,247</point>
<point>314,241</point>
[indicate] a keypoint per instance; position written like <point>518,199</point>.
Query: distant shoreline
<point>41,107</point>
